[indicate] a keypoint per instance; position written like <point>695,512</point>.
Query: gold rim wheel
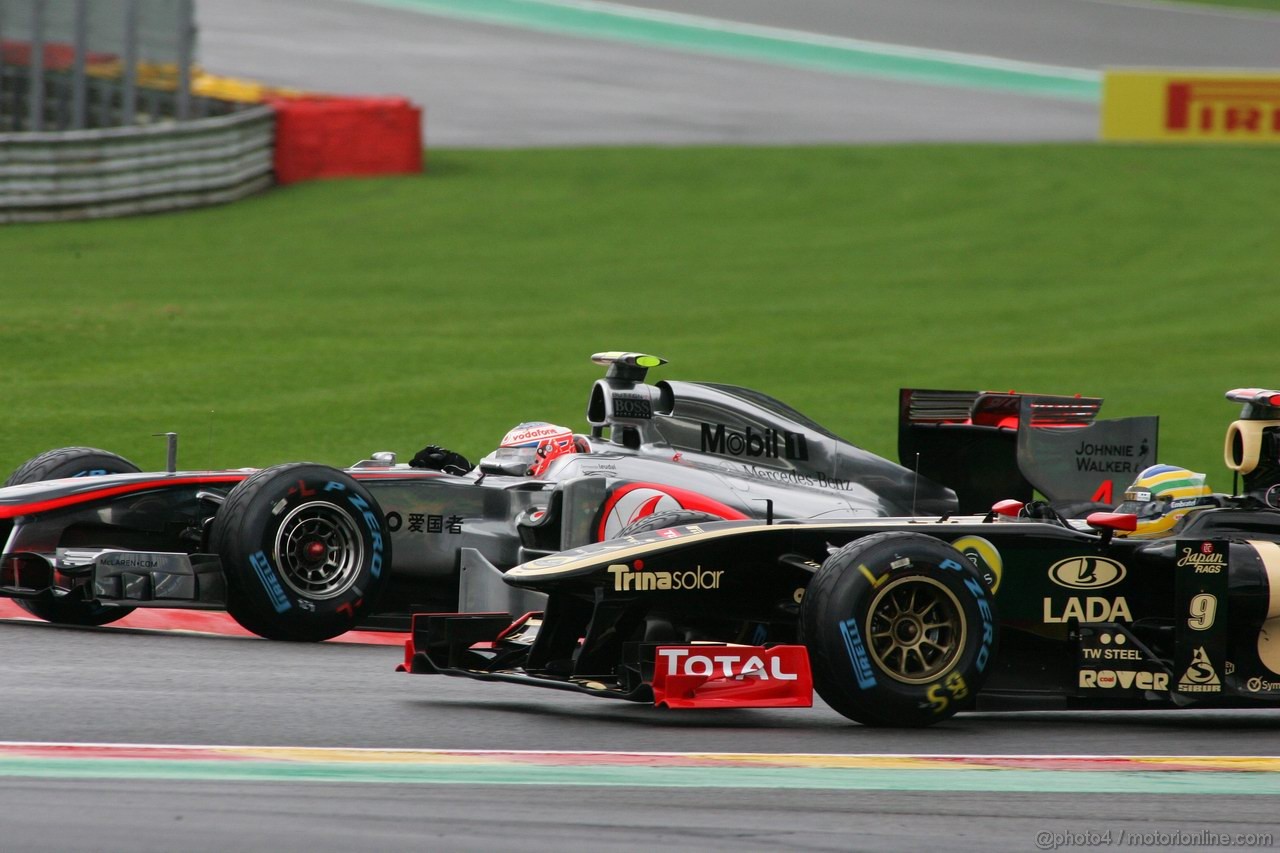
<point>917,629</point>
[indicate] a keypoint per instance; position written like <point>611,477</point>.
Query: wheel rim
<point>319,551</point>
<point>917,629</point>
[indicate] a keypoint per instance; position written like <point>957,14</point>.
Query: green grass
<point>328,320</point>
<point>1269,5</point>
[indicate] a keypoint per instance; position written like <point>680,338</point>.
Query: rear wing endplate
<point>989,446</point>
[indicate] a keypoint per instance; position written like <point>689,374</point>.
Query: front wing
<point>490,647</point>
<point>114,576</point>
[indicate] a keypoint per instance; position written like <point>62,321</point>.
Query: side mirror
<point>1113,521</point>
<point>1006,510</point>
<point>1109,523</point>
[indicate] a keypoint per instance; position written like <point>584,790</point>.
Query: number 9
<point>1203,608</point>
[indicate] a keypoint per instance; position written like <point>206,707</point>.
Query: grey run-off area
<point>117,686</point>
<point>499,86</point>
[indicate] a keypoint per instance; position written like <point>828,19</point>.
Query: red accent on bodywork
<point>1104,493</point>
<point>732,677</point>
<point>28,571</point>
<point>684,497</point>
<point>1008,508</point>
<point>647,509</point>
<point>1009,422</point>
<point>1112,521</point>
<point>15,510</point>
<point>507,631</point>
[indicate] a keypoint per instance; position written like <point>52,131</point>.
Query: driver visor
<point>1143,508</point>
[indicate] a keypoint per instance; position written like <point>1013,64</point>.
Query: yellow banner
<point>1191,106</point>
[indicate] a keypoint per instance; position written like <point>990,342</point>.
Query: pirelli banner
<point>1191,106</point>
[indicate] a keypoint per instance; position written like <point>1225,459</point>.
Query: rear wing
<point>992,445</point>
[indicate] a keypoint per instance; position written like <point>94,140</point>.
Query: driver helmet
<point>530,448</point>
<point>1161,496</point>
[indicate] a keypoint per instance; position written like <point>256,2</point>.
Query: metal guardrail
<point>106,102</point>
<point>84,174</point>
<point>59,57</point>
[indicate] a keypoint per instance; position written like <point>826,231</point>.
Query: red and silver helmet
<point>530,448</point>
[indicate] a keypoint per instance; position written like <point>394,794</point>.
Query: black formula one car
<point>304,551</point>
<point>905,621</point>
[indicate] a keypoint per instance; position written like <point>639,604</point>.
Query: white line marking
<point>817,39</point>
<point>642,754</point>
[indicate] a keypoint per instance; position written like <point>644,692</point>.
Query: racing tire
<point>663,520</point>
<point>54,465</point>
<point>901,630</point>
<point>70,462</point>
<point>306,552</point>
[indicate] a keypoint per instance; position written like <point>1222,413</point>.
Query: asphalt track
<point>488,84</point>
<point>113,686</point>
<point>511,73</point>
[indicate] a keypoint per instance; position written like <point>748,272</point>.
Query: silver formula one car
<point>305,552</point>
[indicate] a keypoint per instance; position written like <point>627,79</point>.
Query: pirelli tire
<point>306,552</point>
<point>901,630</point>
<point>55,465</point>
<point>70,462</point>
<point>663,520</point>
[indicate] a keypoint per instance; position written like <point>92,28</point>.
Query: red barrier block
<point>58,56</point>
<point>330,137</point>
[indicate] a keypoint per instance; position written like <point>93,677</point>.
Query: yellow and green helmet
<point>1161,496</point>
